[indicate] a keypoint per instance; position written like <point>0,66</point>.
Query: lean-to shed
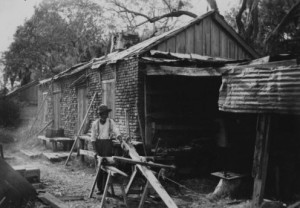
<point>268,89</point>
<point>165,84</point>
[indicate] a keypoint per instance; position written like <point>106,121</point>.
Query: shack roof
<point>261,87</point>
<point>68,72</point>
<point>21,88</point>
<point>150,43</point>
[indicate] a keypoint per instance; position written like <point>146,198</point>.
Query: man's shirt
<point>104,131</point>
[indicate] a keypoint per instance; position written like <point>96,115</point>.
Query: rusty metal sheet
<point>264,88</point>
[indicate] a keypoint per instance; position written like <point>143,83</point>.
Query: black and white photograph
<point>149,103</point>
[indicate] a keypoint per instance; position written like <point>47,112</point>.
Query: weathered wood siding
<point>206,38</point>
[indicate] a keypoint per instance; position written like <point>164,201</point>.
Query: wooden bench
<point>67,142</point>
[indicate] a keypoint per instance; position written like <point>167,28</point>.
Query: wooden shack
<point>269,90</point>
<point>138,78</point>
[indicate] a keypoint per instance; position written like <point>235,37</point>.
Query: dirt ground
<point>76,180</point>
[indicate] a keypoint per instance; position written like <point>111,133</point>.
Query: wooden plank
<point>190,40</point>
<point>207,36</point>
<point>150,177</point>
<point>44,138</point>
<point>107,184</point>
<point>81,127</point>
<point>180,42</point>
<point>52,200</point>
<point>113,170</point>
<point>148,138</point>
<point>56,110</point>
<point>71,198</point>
<point>261,157</point>
<point>199,38</point>
<point>144,195</point>
<point>223,45</point>
<point>162,46</point>
<point>215,40</point>
<point>171,45</point>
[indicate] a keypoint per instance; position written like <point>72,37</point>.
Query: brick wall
<point>128,90</point>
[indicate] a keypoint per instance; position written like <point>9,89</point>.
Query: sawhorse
<point>111,171</point>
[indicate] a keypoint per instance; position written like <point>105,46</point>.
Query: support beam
<point>261,157</point>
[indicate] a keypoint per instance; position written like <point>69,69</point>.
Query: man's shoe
<point>99,193</point>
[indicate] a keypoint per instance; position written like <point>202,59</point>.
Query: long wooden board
<point>52,200</point>
<point>150,177</point>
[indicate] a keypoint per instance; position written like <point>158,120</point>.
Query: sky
<point>14,13</point>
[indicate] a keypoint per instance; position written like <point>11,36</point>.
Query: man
<point>102,131</point>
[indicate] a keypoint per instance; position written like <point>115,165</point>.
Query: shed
<point>268,89</point>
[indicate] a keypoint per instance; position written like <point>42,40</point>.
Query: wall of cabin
<point>206,38</point>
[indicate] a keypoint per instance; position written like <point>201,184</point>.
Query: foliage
<point>9,112</point>
<point>60,34</point>
<point>155,16</point>
<point>270,13</point>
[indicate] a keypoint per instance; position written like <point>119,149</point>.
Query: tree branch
<point>238,18</point>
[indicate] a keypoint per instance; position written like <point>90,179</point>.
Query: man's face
<point>103,116</point>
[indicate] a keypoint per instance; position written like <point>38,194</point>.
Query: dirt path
<point>77,179</point>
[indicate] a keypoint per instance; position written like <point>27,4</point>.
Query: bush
<point>9,112</point>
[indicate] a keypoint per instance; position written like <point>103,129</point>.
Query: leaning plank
<point>71,198</point>
<point>52,200</point>
<point>150,177</point>
<point>80,129</point>
<point>113,170</point>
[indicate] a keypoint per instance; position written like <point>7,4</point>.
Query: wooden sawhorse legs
<point>109,183</point>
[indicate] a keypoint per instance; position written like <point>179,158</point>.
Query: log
<point>151,164</point>
<point>52,200</point>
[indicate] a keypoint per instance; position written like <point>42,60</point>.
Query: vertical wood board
<point>56,110</point>
<point>207,36</point>
<point>180,42</point>
<point>199,38</point>
<point>190,39</point>
<point>171,45</point>
<point>162,46</point>
<point>215,42</point>
<point>261,157</point>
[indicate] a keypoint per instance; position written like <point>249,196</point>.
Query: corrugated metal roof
<point>151,42</point>
<point>261,88</point>
<point>68,72</point>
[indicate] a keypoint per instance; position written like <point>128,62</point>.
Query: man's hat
<point>103,108</point>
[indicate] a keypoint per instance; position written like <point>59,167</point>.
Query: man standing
<point>102,131</point>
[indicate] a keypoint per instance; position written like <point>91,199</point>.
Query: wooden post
<point>132,177</point>
<point>261,157</point>
<point>81,127</point>
<point>102,203</point>
<point>147,123</point>
<point>144,196</point>
<point>96,178</point>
